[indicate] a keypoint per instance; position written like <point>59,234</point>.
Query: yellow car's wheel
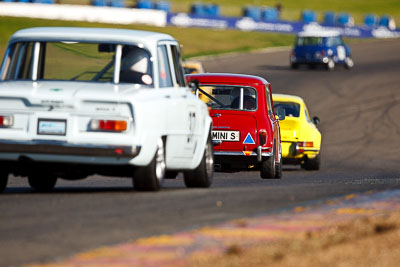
<point>312,164</point>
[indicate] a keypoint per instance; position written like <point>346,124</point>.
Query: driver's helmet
<point>235,92</point>
<point>134,59</point>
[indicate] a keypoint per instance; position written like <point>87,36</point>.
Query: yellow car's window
<point>291,109</point>
<point>307,115</point>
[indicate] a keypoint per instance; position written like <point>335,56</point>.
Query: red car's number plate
<point>233,136</point>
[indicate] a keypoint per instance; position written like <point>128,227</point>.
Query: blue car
<point>321,48</point>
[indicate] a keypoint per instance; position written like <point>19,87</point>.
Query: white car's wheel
<point>42,182</point>
<point>3,181</point>
<point>203,175</point>
<point>151,177</point>
<point>348,63</point>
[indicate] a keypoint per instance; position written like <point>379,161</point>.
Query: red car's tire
<point>278,169</point>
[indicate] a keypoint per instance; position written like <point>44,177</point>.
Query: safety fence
<point>161,18</point>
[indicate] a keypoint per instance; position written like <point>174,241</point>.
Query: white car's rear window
<point>73,61</point>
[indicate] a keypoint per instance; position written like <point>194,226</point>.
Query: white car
<point>81,101</point>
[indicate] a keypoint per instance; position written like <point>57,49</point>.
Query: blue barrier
<point>344,19</point>
<point>8,0</point>
<point>24,1</point>
<point>252,12</point>
<point>387,21</point>
<point>212,10</point>
<point>370,20</point>
<point>197,9</point>
<point>43,1</point>
<point>117,3</point>
<point>163,5</point>
<point>99,2</point>
<point>145,4</point>
<point>308,16</point>
<point>329,18</point>
<point>270,14</point>
<point>200,9</point>
<point>248,24</point>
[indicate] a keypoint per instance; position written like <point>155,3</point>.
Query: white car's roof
<point>79,34</point>
<point>318,34</point>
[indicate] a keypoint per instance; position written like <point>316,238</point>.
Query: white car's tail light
<point>6,121</point>
<point>108,125</point>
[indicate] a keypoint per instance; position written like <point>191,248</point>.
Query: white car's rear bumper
<point>67,149</point>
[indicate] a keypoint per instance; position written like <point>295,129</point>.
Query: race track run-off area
<point>101,221</point>
<point>184,248</point>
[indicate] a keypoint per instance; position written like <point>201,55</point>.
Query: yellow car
<point>192,67</point>
<point>300,138</point>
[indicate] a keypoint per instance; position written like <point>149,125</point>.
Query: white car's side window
<point>177,66</point>
<point>164,72</point>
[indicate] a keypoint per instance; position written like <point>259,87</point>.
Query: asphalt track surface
<point>361,146</point>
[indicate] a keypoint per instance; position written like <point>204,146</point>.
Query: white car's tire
<point>151,177</point>
<point>3,181</point>
<point>42,182</point>
<point>203,175</point>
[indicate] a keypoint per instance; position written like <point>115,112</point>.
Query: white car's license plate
<point>52,127</point>
<point>232,136</point>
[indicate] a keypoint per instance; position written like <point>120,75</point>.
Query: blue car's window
<point>304,41</point>
<point>291,109</point>
<point>334,41</point>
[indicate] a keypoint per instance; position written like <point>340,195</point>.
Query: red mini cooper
<point>245,129</point>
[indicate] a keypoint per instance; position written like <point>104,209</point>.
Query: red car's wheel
<point>278,171</point>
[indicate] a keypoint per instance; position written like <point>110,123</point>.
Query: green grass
<point>196,42</point>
